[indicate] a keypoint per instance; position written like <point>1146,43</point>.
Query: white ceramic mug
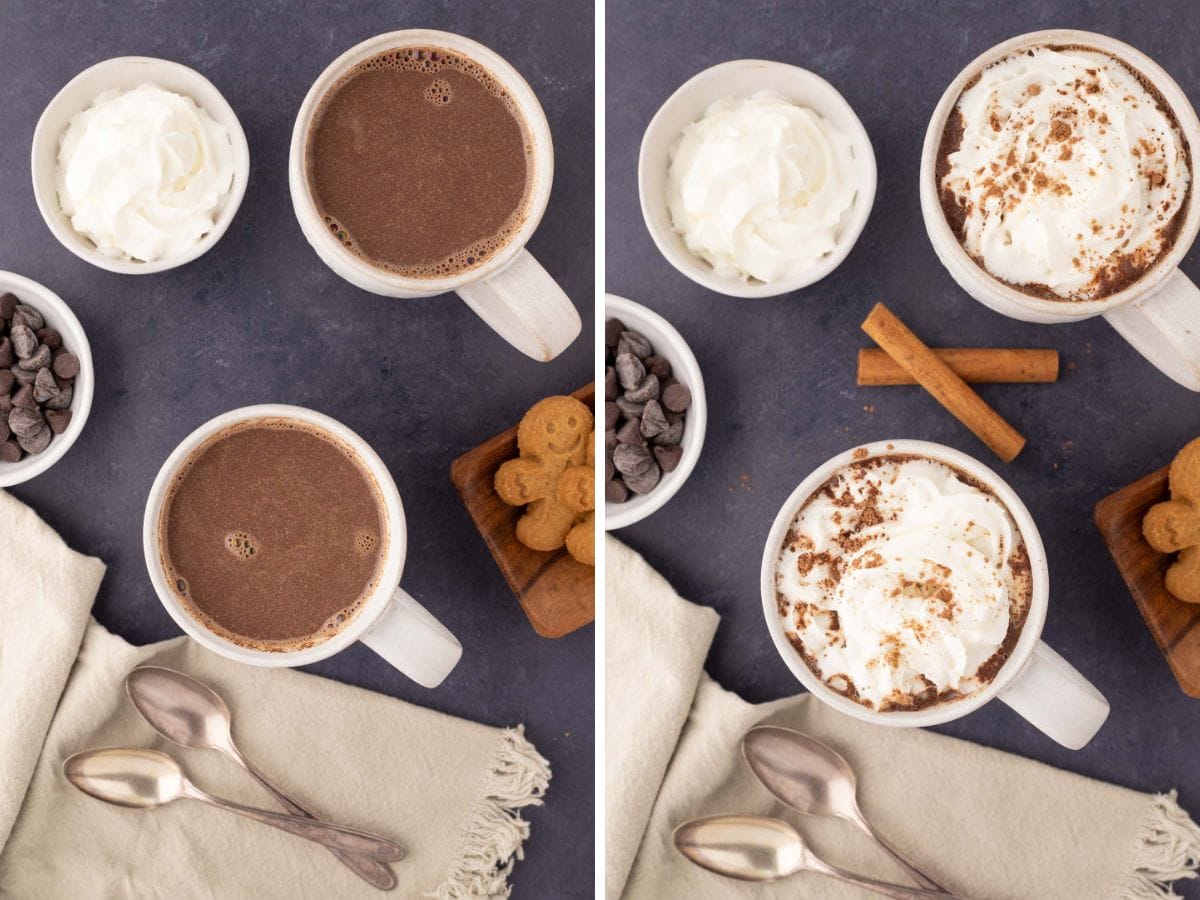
<point>1035,681</point>
<point>390,622</point>
<point>511,291</point>
<point>1159,314</point>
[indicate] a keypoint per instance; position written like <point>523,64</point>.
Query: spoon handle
<point>922,877</point>
<point>337,837</point>
<point>375,873</point>
<point>880,887</point>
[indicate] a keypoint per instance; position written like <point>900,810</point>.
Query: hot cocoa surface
<point>420,162</point>
<point>272,535</point>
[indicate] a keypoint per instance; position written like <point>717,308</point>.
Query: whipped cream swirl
<point>899,583</point>
<point>1068,175</point>
<point>143,173</point>
<point>760,187</point>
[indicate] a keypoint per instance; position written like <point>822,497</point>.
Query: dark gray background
<point>780,373</point>
<point>261,319</point>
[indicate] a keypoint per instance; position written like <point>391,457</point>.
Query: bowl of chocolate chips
<point>46,378</point>
<point>654,412</point>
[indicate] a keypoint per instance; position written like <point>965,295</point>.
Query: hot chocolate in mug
<point>1159,311</point>
<point>388,620</point>
<point>509,290</point>
<point>1034,680</point>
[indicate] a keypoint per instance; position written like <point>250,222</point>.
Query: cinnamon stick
<point>939,379</point>
<point>971,364</point>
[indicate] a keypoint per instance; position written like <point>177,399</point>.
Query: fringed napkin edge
<point>1166,849</point>
<point>494,833</point>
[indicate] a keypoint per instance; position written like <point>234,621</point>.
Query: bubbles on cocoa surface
<point>365,542</point>
<point>181,585</point>
<point>432,60</point>
<point>241,545</point>
<point>438,92</point>
<point>337,621</point>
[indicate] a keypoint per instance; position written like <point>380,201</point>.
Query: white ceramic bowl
<point>124,73</point>
<point>58,316</point>
<point>668,343</point>
<point>741,78</point>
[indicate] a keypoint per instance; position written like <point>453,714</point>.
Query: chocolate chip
<point>644,482</point>
<point>50,337</point>
<point>612,332</point>
<point>10,452</point>
<point>6,381</point>
<point>610,440</point>
<point>23,376</point>
<point>24,341</point>
<point>5,431</point>
<point>36,442</point>
<point>659,366</point>
<point>630,371</point>
<point>609,470</point>
<point>632,342</point>
<point>39,359</point>
<point>27,316</point>
<point>23,398</point>
<point>8,356</point>
<point>677,398</point>
<point>630,459</point>
<point>630,409</point>
<point>654,420</point>
<point>45,387</point>
<point>59,419</point>
<point>26,422</point>
<point>672,434</point>
<point>62,399</point>
<point>66,365</point>
<point>647,390</point>
<point>612,413</point>
<point>631,433</point>
<point>611,387</point>
<point>6,405</point>
<point>615,491</point>
<point>8,305</point>
<point>668,457</point>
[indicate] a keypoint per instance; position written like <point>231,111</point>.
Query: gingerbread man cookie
<point>1174,526</point>
<point>554,478</point>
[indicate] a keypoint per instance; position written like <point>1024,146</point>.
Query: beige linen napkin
<point>992,825</point>
<point>448,789</point>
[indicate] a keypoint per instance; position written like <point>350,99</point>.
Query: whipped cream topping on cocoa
<point>903,582</point>
<point>1064,173</point>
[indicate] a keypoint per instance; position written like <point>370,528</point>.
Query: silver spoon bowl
<point>813,779</point>
<point>763,849</point>
<point>144,779</point>
<point>192,714</point>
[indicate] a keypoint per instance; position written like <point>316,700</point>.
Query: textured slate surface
<point>780,373</point>
<point>260,319</point>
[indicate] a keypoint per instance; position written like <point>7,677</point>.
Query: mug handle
<point>411,639</point>
<point>1165,328</point>
<point>526,307</point>
<point>1053,697</point>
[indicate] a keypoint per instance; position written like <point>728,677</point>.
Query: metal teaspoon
<point>191,714</point>
<point>815,780</point>
<point>759,848</point>
<point>143,779</point>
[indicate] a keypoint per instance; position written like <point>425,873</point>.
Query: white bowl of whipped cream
<point>756,178</point>
<point>139,165</point>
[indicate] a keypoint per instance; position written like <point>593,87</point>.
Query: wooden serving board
<point>557,593</point>
<point>1174,624</point>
